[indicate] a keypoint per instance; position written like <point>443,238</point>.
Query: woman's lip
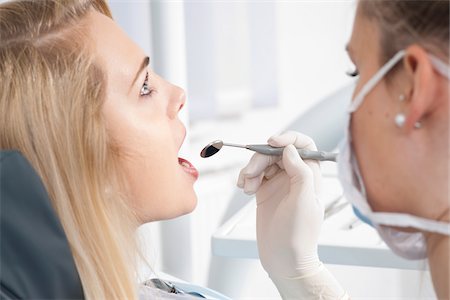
<point>188,167</point>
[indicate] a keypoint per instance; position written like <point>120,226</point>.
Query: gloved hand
<point>289,214</point>
<point>289,218</point>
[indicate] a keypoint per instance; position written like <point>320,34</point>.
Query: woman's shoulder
<point>150,293</point>
<point>164,289</point>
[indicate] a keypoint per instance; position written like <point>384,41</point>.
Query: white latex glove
<point>289,218</point>
<point>289,215</point>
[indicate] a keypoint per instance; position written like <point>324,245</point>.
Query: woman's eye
<point>145,90</point>
<point>353,73</point>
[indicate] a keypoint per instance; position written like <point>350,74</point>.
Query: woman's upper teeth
<point>185,164</point>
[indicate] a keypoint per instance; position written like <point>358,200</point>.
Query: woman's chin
<point>191,204</point>
<point>176,205</point>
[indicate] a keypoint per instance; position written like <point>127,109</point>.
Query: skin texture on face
<point>404,169</point>
<point>372,125</point>
<point>145,128</point>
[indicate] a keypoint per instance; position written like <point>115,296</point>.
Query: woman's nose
<point>177,101</point>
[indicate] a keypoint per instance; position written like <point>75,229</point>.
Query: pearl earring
<point>400,120</point>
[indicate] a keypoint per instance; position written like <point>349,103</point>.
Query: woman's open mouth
<point>188,167</point>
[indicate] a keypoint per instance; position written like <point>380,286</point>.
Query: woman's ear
<point>422,97</point>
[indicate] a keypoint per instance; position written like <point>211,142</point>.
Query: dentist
<point>393,162</point>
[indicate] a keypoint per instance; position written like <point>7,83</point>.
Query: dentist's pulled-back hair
<point>51,95</point>
<point>406,22</point>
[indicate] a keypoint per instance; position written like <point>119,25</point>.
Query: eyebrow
<point>143,65</point>
<point>350,52</point>
<point>347,48</point>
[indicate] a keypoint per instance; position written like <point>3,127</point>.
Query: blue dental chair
<point>35,258</point>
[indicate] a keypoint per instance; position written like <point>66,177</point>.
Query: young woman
<point>80,102</point>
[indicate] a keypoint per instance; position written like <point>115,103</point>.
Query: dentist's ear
<point>424,89</point>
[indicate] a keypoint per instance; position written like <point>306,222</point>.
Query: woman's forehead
<point>114,50</point>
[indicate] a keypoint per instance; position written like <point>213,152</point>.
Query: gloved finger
<point>241,179</point>
<point>298,171</point>
<point>255,167</point>
<point>280,164</point>
<point>271,171</point>
<point>315,167</point>
<point>299,140</point>
<point>252,184</point>
<point>258,164</point>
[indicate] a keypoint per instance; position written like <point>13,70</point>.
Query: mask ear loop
<point>440,66</point>
<point>374,80</point>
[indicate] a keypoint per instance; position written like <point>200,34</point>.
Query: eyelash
<point>146,91</point>
<point>354,73</point>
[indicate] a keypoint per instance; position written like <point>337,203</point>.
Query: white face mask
<point>406,244</point>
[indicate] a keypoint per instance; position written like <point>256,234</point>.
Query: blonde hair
<point>51,97</point>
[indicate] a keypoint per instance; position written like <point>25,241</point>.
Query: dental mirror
<point>214,147</point>
<point>211,149</point>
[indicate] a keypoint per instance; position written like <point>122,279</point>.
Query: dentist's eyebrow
<point>349,51</point>
<point>347,48</point>
<point>144,65</point>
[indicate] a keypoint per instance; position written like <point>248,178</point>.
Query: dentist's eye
<point>354,73</point>
<point>145,90</point>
